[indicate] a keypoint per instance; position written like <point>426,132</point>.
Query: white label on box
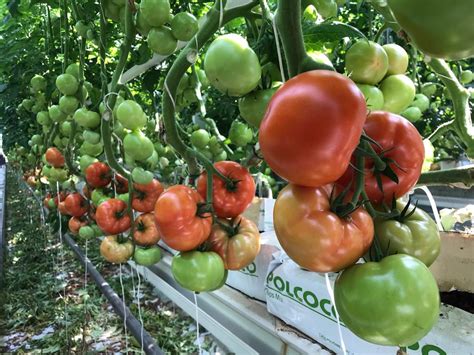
<point>301,299</point>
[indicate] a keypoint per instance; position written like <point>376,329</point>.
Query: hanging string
<point>196,307</point>
<point>331,296</point>
<point>434,208</point>
<point>277,42</point>
<point>140,309</point>
<point>63,271</point>
<point>124,308</point>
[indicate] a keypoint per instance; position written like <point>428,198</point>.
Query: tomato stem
<point>179,68</point>
<point>288,22</point>
<point>107,117</point>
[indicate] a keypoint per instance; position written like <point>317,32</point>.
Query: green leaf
<point>331,32</point>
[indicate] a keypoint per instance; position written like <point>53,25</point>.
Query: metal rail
<point>240,323</point>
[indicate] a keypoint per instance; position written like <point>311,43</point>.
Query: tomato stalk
<point>107,117</point>
<point>66,35</point>
<point>179,68</point>
<point>288,22</point>
<point>460,96</point>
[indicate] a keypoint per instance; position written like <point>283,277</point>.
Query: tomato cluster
<point>317,135</point>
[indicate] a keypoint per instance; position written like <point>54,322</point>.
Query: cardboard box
<point>454,268</point>
<point>251,279</point>
<point>301,299</point>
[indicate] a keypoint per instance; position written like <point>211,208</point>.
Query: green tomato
<point>221,156</point>
<point>91,137</point>
<point>320,58</point>
<point>51,204</point>
<point>397,59</point>
<point>232,66</point>
<point>137,146</point>
<point>56,174</point>
<point>147,256</point>
<point>86,118</point>
<point>68,104</point>
<point>373,96</point>
<point>43,118</point>
<point>326,8</point>
<point>240,134</point>
<point>67,84</point>
<point>394,302</point>
<point>155,12</point>
<point>143,27</point>
<point>214,146</point>
<point>439,28</point>
<point>200,138</point>
<point>97,195</point>
<point>119,130</point>
<point>86,233</point>
<point>466,76</point>
<point>58,142</point>
<point>412,114</point>
<point>198,271</point>
<point>91,149</point>
<point>253,106</point>
<point>38,83</point>
<point>65,128</point>
<point>56,114</point>
<point>124,197</point>
<point>36,139</point>
<point>161,41</point>
<point>203,79</point>
<point>81,28</point>
<point>27,104</point>
<point>164,162</point>
<point>398,92</point>
<point>429,89</point>
<point>272,71</point>
<point>131,115</point>
<point>152,162</point>
<point>416,235</point>
<point>422,102</point>
<point>98,232</point>
<point>429,155</point>
<point>73,69</point>
<point>184,26</point>
<point>141,176</point>
<point>366,62</point>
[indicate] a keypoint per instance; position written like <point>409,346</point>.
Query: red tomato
<point>178,220</point>
<point>98,174</point>
<point>315,237</point>
<point>312,125</point>
<point>54,157</point>
<point>145,196</point>
<point>62,208</point>
<point>112,216</point>
<point>236,241</point>
<point>60,197</point>
<point>401,146</point>
<point>229,201</point>
<point>146,233</point>
<point>121,184</point>
<point>75,205</point>
<point>75,223</point>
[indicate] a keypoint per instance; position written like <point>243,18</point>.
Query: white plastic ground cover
<point>251,279</point>
<point>301,299</point>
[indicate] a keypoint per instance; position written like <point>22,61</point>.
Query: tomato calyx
<point>121,239</point>
<point>230,227</point>
<point>203,209</point>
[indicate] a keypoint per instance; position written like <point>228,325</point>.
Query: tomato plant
<point>115,251</point>
<point>198,271</point>
<point>313,236</point>
<point>98,174</point>
<point>230,198</point>
<point>236,241</point>
<point>179,220</point>
<point>410,305</point>
<point>145,196</point>
<point>112,216</point>
<point>145,233</point>
<point>295,139</point>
